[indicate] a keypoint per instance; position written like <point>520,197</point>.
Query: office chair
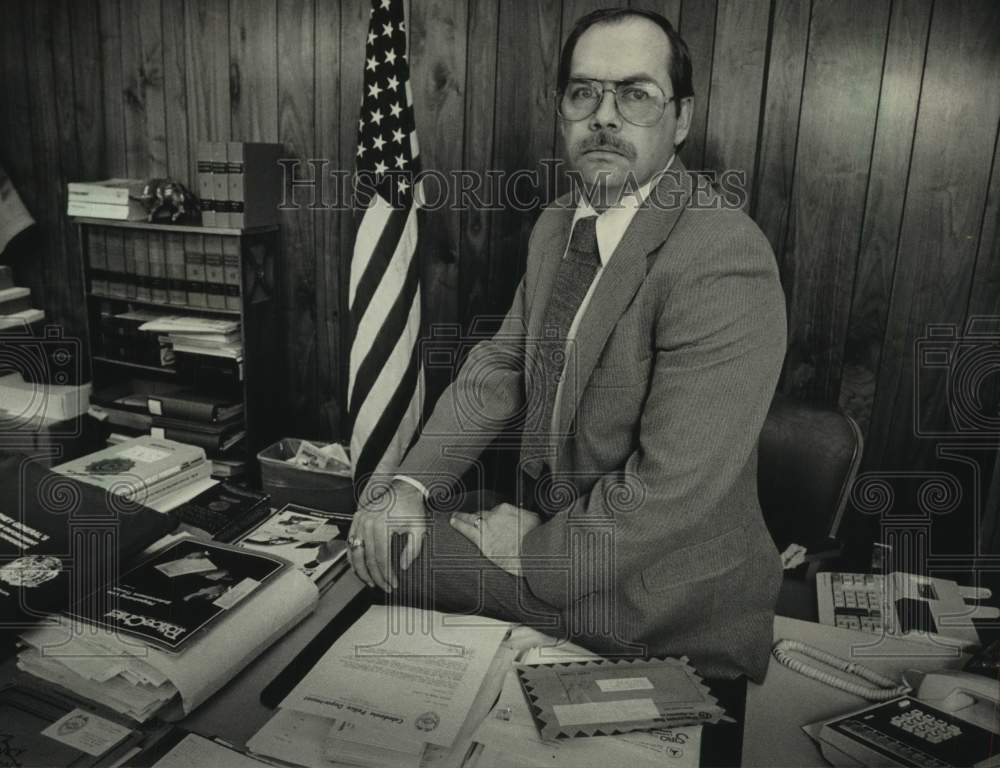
<point>808,457</point>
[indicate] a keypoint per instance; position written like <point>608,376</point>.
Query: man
<point>638,358</point>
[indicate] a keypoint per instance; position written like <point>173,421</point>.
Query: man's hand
<point>398,509</point>
<point>498,532</point>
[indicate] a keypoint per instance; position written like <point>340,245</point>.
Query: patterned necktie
<point>576,273</point>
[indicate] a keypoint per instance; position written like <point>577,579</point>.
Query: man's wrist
<point>403,483</point>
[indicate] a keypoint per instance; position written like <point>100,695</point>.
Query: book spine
<point>175,408</point>
<point>115,250</point>
<point>231,269</point>
<point>131,275</point>
<point>194,271</point>
<point>206,183</point>
<point>236,170</point>
<point>221,183</point>
<point>140,255</point>
<point>176,269</point>
<point>97,260</point>
<point>158,267</point>
<point>215,280</point>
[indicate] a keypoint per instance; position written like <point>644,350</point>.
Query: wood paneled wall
<point>867,130</point>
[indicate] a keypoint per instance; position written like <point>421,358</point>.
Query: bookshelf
<point>134,269</point>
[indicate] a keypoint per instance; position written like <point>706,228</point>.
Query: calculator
<point>907,732</point>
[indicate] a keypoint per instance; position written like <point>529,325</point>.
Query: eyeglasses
<point>639,102</point>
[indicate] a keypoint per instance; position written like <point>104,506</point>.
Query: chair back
<point>808,458</point>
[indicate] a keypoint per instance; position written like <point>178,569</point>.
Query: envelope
<point>603,697</point>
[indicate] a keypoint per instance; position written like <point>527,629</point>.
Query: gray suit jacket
<point>660,546</point>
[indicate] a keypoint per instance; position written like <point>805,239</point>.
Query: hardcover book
<point>139,469</point>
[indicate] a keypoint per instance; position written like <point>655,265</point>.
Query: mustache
<point>607,141</point>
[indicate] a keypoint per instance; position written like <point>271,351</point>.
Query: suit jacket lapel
<point>621,278</point>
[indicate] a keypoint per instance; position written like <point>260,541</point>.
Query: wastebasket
<point>302,485</point>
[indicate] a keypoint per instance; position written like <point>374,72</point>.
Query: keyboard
<point>852,601</point>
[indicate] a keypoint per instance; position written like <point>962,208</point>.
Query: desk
<point>772,735</point>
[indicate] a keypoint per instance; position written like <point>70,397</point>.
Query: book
<point>131,211</point>
<point>206,183</point>
<point>140,257</point>
<point>220,184</point>
<point>61,535</point>
<point>14,300</point>
<point>176,269</point>
<point>254,184</point>
<point>114,249</point>
<point>131,275</point>
<point>194,271</point>
<point>224,511</point>
<point>231,272</point>
<point>215,441</point>
<point>158,268</point>
<point>113,191</point>
<point>193,405</point>
<point>143,468</point>
<point>214,272</point>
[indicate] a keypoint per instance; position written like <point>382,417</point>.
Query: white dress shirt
<point>611,226</point>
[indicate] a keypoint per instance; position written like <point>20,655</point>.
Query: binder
<point>140,255</point>
<point>220,183</point>
<point>115,251</point>
<point>158,268</point>
<point>206,183</point>
<point>176,269</point>
<point>231,271</point>
<point>194,271</point>
<point>214,272</point>
<point>131,275</point>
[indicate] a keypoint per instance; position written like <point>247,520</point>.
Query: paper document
<point>195,751</point>
<point>411,673</point>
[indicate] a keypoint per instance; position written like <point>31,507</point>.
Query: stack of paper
<point>396,686</point>
<point>174,630</point>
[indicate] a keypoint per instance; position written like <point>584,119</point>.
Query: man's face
<point>605,148</point>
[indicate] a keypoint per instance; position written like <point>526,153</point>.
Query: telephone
<point>952,720</point>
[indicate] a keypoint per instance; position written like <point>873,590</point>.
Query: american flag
<point>385,384</point>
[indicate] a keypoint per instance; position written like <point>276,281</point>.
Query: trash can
<point>301,485</point>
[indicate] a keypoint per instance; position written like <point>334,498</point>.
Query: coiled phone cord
<point>884,688</point>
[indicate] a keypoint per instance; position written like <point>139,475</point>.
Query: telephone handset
<point>972,697</point>
<point>951,721</point>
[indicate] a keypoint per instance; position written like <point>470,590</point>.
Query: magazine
<point>182,590</point>
<point>296,534</point>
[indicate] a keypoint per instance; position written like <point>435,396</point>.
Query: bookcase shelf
<point>190,229</point>
<point>167,306</point>
<point>160,371</point>
<point>207,264</point>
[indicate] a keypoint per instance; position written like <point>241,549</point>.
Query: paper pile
<point>175,630</point>
<point>394,690</point>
